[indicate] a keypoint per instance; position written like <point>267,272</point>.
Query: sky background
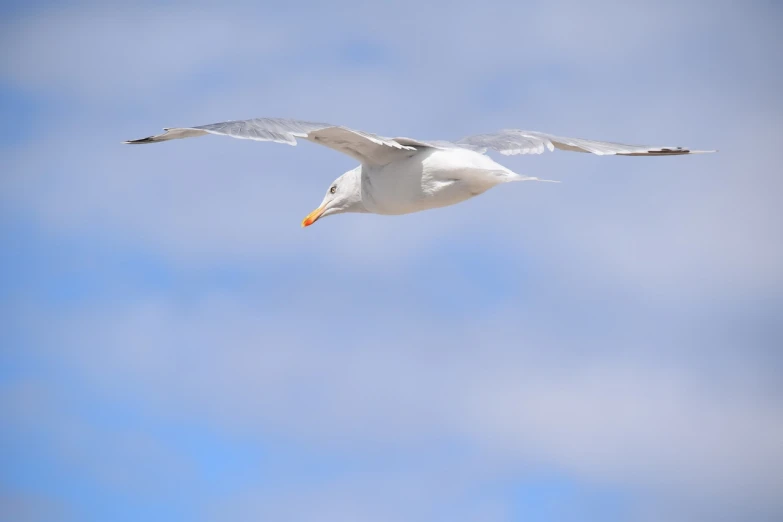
<point>173,346</point>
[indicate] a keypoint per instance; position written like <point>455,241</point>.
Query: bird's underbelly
<point>416,195</point>
<point>414,185</point>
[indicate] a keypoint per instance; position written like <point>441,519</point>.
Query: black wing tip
<point>141,141</point>
<point>679,150</point>
<point>667,151</point>
<point>149,139</point>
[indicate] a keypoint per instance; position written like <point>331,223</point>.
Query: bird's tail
<point>520,177</point>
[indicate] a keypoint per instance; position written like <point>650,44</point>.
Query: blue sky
<point>173,346</point>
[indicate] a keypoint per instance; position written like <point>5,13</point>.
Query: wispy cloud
<point>619,330</point>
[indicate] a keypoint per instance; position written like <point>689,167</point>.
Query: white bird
<point>403,175</point>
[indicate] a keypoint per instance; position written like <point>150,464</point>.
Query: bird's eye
<point>333,189</point>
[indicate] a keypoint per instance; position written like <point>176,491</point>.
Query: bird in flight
<point>404,175</point>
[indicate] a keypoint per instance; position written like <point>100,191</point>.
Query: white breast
<point>429,179</point>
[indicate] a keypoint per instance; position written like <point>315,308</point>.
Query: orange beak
<point>312,217</point>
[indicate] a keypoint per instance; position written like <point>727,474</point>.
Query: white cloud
<point>712,219</point>
<point>121,457</point>
<point>370,338</point>
<point>140,49</point>
<point>129,50</point>
<point>670,428</point>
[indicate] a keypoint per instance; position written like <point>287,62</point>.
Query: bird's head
<point>343,195</point>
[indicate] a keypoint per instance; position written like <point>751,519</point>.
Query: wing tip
<point>141,141</point>
<point>663,151</point>
<point>149,139</point>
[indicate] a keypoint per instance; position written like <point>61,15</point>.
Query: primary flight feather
<point>403,175</point>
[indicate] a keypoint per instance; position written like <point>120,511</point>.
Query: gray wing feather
<point>429,144</point>
<point>513,141</point>
<point>362,146</point>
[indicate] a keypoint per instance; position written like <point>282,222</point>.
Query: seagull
<point>404,175</point>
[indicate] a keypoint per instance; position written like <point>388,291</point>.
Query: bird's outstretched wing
<point>513,141</point>
<point>362,146</point>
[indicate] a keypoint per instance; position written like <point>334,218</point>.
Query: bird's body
<point>429,178</point>
<point>404,175</point>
